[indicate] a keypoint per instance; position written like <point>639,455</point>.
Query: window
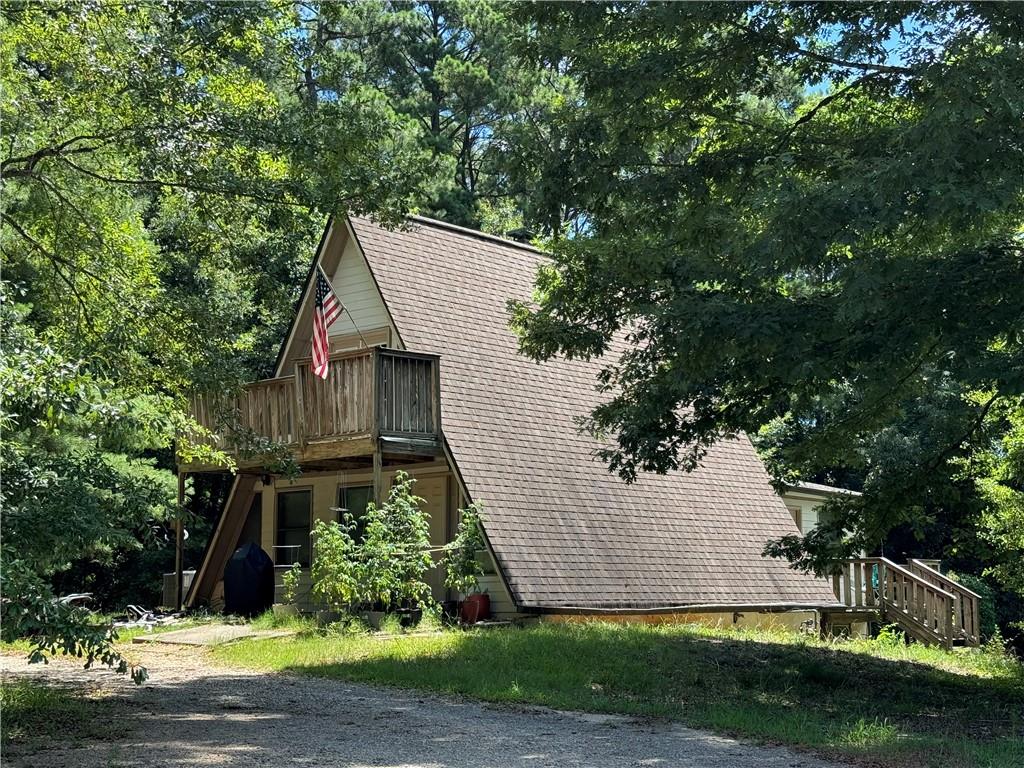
<point>293,521</point>
<point>797,513</point>
<point>354,500</point>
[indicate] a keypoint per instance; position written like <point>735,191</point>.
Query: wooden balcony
<point>373,401</point>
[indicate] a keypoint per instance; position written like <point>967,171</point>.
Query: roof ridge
<point>474,233</point>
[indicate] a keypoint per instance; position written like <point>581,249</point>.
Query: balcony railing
<point>369,395</point>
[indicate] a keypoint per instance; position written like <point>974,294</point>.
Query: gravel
<point>191,713</point>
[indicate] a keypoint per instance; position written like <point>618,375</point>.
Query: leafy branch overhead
<point>798,217</point>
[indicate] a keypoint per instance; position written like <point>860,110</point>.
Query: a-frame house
<point>428,379</point>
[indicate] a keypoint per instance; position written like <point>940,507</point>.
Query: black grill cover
<point>248,582</point>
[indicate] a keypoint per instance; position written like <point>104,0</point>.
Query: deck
<point>373,402</point>
<point>927,605</point>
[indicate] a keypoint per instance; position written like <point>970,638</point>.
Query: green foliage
<point>451,68</point>
<point>799,215</point>
<point>385,568</point>
<point>51,627</point>
<point>891,636</point>
<point>290,583</point>
<point>998,473</point>
<point>333,569</point>
<point>462,569</point>
<point>163,186</point>
<point>394,555</point>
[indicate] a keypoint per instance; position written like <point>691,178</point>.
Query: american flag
<point>328,309</point>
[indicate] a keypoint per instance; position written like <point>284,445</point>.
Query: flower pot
<point>409,617</point>
<point>281,610</point>
<point>374,618</point>
<point>328,617</point>
<point>476,608</point>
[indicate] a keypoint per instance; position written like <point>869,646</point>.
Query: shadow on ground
<point>840,702</point>
<point>203,717</point>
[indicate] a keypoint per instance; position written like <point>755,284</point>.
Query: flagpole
<point>344,308</point>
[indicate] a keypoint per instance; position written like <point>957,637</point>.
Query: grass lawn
<point>877,702</point>
<point>36,713</point>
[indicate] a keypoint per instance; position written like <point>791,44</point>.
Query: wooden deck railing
<point>965,602</point>
<point>372,393</point>
<point>919,604</point>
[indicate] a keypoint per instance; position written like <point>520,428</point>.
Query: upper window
<point>293,522</point>
<point>797,513</point>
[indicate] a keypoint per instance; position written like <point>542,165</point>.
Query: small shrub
<point>891,636</point>
<point>394,556</point>
<point>334,568</point>
<point>384,570</point>
<point>290,583</point>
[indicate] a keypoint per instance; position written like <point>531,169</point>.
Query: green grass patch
<point>883,703</point>
<point>32,712</point>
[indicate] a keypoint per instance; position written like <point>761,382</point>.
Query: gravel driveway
<point>191,713</point>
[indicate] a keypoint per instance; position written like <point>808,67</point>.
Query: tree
<point>452,68</point>
<point>999,477</point>
<point>163,185</point>
<point>796,214</point>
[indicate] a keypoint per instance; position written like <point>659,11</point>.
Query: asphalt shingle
<point>566,532</point>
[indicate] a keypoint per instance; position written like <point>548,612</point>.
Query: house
<point>804,502</point>
<point>425,377</point>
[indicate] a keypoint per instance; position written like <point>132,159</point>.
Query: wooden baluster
<point>944,621</point>
<point>402,395</point>
<point>847,586</point>
<point>389,393</point>
<point>869,585</point>
<point>975,626</point>
<point>836,587</point>
<point>858,585</point>
<point>344,406</point>
<point>338,393</point>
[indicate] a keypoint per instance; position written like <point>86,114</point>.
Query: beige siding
<point>808,507</point>
<point>502,606</point>
<point>355,287</point>
<point>349,273</point>
<point>791,620</point>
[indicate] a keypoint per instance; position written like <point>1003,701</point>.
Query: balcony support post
<point>378,475</point>
<point>179,545</point>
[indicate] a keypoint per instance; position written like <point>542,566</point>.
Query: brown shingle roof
<point>565,531</point>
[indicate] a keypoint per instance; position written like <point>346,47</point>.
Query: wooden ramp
<point>928,606</point>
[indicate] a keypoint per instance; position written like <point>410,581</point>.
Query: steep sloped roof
<point>565,531</point>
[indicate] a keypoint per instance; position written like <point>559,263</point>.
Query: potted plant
<point>394,556</point>
<point>464,566</point>
<point>289,590</point>
<point>333,572</point>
